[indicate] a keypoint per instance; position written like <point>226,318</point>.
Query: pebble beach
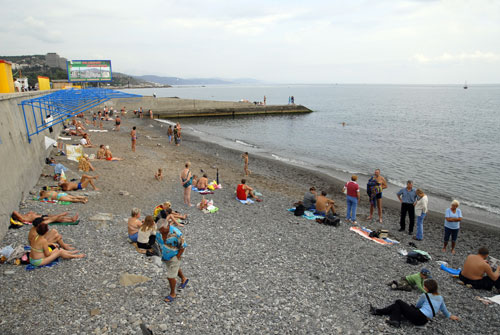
<point>253,269</point>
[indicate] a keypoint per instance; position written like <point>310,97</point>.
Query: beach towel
<point>307,214</point>
<point>74,152</point>
<point>203,192</point>
<point>495,299</point>
<point>64,138</point>
<point>65,223</point>
<point>31,267</point>
<point>453,272</point>
<point>365,232</point>
<point>52,201</point>
<point>98,130</point>
<point>248,201</point>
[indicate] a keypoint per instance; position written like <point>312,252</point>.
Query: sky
<point>277,41</point>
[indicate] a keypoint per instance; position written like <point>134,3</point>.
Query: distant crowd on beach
<point>160,234</point>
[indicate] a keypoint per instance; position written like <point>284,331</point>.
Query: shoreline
<point>333,177</point>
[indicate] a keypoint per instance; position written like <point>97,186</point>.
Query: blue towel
<point>454,272</point>
<point>307,214</point>
<point>31,267</point>
<point>248,201</point>
<point>59,167</point>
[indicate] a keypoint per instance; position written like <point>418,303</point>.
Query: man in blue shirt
<point>172,246</point>
<point>407,197</point>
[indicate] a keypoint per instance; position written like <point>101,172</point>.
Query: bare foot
<point>443,250</point>
<point>452,251</point>
<point>67,247</point>
<point>369,218</point>
<point>74,218</point>
<point>96,189</point>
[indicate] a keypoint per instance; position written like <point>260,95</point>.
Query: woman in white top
<point>147,233</point>
<point>421,212</point>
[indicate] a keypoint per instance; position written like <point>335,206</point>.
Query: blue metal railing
<point>64,104</point>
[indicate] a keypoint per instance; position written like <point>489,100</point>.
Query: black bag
<point>415,258</point>
<point>375,233</point>
<point>299,210</point>
<point>332,220</point>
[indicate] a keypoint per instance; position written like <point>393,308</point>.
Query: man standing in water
<point>245,161</point>
<point>374,188</point>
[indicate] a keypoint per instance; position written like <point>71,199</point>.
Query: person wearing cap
<point>410,282</point>
<point>407,197</point>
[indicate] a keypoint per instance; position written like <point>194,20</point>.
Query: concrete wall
<point>20,162</point>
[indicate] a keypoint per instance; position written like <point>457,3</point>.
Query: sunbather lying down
<point>52,236</point>
<point>41,254</point>
<point>53,195</point>
<point>84,182</point>
<point>31,216</point>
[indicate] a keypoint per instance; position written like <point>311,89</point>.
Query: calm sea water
<point>446,139</point>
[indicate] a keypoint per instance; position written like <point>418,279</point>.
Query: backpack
<point>299,210</point>
<point>332,220</point>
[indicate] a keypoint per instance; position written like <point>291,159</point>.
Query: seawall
<point>21,162</point>
<point>178,108</point>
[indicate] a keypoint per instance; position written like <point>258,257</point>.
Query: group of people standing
<point>414,203</point>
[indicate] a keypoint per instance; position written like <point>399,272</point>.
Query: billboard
<point>89,70</point>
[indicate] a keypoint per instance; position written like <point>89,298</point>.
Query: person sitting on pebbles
<point>146,236</point>
<point>478,273</point>
<point>84,164</point>
<point>323,204</point>
<point>52,236</point>
<point>428,305</point>
<point>40,253</point>
<point>109,156</point>
<point>243,191</point>
<point>53,195</point>
<point>134,224</point>
<point>412,281</point>
<point>166,205</point>
<point>202,183</point>
<point>85,141</point>
<point>101,153</point>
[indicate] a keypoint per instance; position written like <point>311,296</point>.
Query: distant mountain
<point>195,81</point>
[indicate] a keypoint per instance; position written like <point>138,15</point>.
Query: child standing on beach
<point>170,133</point>
<point>159,174</point>
<point>245,162</point>
<point>133,137</point>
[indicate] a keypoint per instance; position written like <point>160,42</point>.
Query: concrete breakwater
<point>179,108</point>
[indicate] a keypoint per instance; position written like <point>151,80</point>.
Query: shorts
<point>134,237</point>
<point>79,187</point>
<point>450,232</point>
<point>173,266</point>
<point>117,123</point>
<point>379,196</point>
<point>108,158</point>
<point>322,213</point>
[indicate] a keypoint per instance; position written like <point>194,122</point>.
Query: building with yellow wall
<point>6,80</point>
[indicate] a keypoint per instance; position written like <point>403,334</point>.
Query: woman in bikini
<point>53,195</point>
<point>186,182</point>
<point>41,254</point>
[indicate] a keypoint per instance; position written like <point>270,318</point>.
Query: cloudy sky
<point>313,41</point>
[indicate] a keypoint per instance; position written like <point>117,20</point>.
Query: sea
<point>444,138</point>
